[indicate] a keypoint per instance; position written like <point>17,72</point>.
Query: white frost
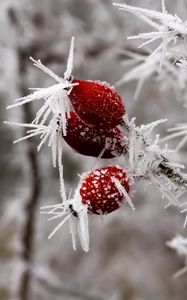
<point>50,120</point>
<point>171,30</point>
<point>179,244</point>
<point>74,211</point>
<point>149,162</point>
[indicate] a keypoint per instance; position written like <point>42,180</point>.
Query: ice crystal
<point>179,244</point>
<point>180,130</point>
<point>55,97</point>
<point>122,190</point>
<point>50,120</point>
<point>74,211</point>
<point>149,162</point>
<point>145,67</point>
<point>171,30</point>
<point>183,208</point>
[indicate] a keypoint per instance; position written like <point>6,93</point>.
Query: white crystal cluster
<point>167,60</point>
<point>149,162</point>
<point>55,108</point>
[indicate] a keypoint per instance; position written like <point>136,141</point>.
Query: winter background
<point>129,258</point>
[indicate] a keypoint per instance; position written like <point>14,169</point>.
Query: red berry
<point>99,191</point>
<point>97,103</point>
<point>89,140</point>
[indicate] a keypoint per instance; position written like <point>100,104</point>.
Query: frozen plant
<point>55,105</point>
<point>149,162</point>
<point>143,160</point>
<point>169,56</point>
<point>91,117</point>
<point>143,68</point>
<point>171,30</point>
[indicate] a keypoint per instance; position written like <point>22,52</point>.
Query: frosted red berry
<point>90,141</point>
<point>99,192</point>
<point>97,103</point>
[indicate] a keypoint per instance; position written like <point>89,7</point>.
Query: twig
<point>31,203</point>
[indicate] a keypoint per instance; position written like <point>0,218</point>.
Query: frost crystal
<point>74,211</point>
<point>149,162</point>
<point>180,130</point>
<point>122,190</point>
<point>50,120</point>
<point>179,244</point>
<point>146,66</point>
<point>56,101</point>
<point>171,30</point>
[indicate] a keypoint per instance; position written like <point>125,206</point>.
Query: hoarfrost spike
<point>149,162</point>
<point>76,213</point>
<point>50,120</point>
<point>171,30</point>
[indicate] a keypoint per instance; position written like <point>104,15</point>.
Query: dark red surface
<point>90,141</point>
<point>100,193</point>
<point>97,103</point>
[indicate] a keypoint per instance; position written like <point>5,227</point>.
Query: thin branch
<point>31,203</point>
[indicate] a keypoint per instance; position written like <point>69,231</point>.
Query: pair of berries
<point>91,128</point>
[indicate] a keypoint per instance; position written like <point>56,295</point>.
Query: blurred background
<point>129,259</point>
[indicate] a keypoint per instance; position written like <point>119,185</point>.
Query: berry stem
<point>175,175</point>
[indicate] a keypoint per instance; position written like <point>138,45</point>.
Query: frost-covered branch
<point>171,30</point>
<point>143,160</point>
<point>149,162</point>
<point>105,189</point>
